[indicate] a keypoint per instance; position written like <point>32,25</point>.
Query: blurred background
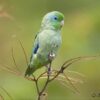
<point>20,19</point>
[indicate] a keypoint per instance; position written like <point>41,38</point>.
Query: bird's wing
<point>35,46</point>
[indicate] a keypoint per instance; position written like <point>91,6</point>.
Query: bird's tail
<point>29,71</point>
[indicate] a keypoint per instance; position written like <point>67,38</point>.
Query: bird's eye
<point>55,18</point>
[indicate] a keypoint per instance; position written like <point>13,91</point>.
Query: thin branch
<point>6,68</point>
<point>76,73</point>
<point>23,52</point>
<point>14,60</point>
<point>64,84</point>
<point>7,93</point>
<point>30,79</point>
<point>61,77</point>
<point>41,75</point>
<point>78,59</point>
<point>67,78</point>
<point>70,62</point>
<point>46,83</point>
<point>64,79</point>
<point>55,76</point>
<point>63,67</point>
<point>36,83</point>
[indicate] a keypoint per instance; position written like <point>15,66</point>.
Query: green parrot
<point>47,41</point>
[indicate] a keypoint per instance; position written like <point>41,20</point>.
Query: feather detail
<point>36,49</point>
<point>29,71</point>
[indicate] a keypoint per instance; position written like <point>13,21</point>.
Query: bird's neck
<point>49,27</point>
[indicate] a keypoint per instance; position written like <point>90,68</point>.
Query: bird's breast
<point>50,40</point>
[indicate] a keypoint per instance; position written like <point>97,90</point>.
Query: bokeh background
<point>20,19</point>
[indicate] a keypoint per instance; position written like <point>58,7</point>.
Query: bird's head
<point>53,20</point>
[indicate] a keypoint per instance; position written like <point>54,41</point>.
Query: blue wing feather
<point>36,49</point>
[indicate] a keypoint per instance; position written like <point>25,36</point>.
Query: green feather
<point>48,40</point>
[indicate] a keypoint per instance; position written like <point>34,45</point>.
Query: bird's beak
<point>62,22</point>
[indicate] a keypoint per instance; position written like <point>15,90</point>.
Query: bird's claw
<point>51,56</point>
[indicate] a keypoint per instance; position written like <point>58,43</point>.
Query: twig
<point>43,89</point>
<point>14,60</point>
<point>77,73</point>
<point>46,83</point>
<point>41,75</point>
<point>49,76</point>
<point>23,52</point>
<point>70,62</point>
<point>7,93</point>
<point>7,68</point>
<point>36,83</point>
<point>67,78</point>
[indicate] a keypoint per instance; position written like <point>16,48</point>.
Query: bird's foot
<point>49,70</point>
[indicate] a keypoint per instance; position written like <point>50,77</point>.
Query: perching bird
<point>47,41</point>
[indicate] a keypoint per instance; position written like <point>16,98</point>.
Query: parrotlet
<point>47,42</point>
